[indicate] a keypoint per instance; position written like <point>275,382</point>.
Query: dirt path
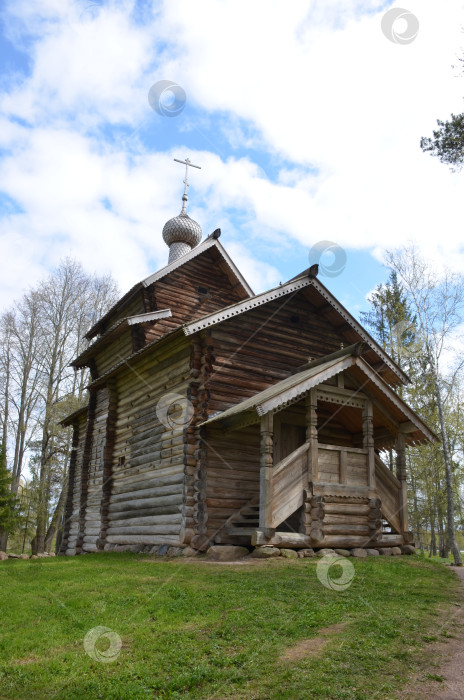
<point>445,661</point>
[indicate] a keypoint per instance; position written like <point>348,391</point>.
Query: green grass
<point>209,631</point>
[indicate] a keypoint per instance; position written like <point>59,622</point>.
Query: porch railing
<point>289,479</point>
<point>389,492</point>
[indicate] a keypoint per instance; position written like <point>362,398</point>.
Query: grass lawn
<point>199,630</point>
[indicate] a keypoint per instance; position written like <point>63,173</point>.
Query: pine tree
<point>391,322</point>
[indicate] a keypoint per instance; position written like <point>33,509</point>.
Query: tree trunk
<point>56,518</point>
<point>449,476</point>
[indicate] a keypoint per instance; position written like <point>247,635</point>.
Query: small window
<point>203,291</point>
<point>121,461</point>
<point>295,319</point>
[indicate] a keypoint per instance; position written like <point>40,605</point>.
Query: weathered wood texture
<point>232,477</point>
<point>132,307</point>
<point>332,516</point>
<point>342,465</point>
<point>148,461</point>
<point>390,492</point>
<point>84,470</point>
<point>289,480</point>
<point>92,516</point>
<point>183,291</point>
<point>130,483</point>
<point>263,346</point>
<point>114,352</point>
<point>72,509</point>
<point>137,478</point>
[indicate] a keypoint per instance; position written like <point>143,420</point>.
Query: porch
<point>322,482</point>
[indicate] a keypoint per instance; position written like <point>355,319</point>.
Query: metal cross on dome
<point>188,164</point>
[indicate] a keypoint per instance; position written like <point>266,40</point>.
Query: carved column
<point>400,449</point>
<point>368,442</point>
<point>266,465</point>
<point>311,434</point>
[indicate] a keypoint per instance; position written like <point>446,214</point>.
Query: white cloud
<point>338,108</point>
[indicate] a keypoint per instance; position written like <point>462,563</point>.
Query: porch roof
<point>293,388</point>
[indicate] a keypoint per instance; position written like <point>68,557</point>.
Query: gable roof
<point>115,331</point>
<point>208,243</point>
<point>295,284</point>
<point>293,388</point>
<point>211,242</point>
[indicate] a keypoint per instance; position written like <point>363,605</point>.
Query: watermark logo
<point>90,9</point>
<point>407,339</point>
<point>167,98</point>
<point>102,644</point>
<point>330,257</point>
<point>400,26</point>
<point>328,572</point>
<point>174,411</point>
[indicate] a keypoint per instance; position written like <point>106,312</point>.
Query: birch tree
<point>39,336</point>
<point>438,304</point>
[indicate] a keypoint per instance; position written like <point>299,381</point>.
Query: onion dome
<point>182,233</point>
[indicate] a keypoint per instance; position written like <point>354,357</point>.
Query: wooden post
<point>311,434</point>
<point>343,464</point>
<point>266,465</point>
<point>400,448</point>
<point>368,442</point>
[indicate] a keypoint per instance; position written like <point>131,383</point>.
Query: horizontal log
<point>289,540</point>
<point>145,530</point>
<point>175,489</point>
<point>345,519</point>
<point>345,542</point>
<point>136,503</point>
<point>347,508</point>
<point>347,529</point>
<point>92,531</point>
<point>150,520</point>
<point>147,478</point>
<point>142,539</point>
<point>220,502</point>
<point>146,512</point>
<point>232,473</point>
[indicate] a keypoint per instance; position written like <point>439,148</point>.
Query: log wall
<point>92,516</point>
<point>263,346</point>
<point>72,508</point>
<point>179,291</point>
<point>134,306</point>
<point>119,349</point>
<point>148,471</point>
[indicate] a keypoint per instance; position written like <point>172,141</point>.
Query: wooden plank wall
<point>343,466</point>
<point>232,475</point>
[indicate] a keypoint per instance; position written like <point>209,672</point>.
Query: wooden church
<point>216,415</point>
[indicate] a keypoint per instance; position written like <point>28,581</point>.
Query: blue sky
<point>304,116</point>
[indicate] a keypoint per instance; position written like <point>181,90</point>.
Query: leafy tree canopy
<point>9,505</point>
